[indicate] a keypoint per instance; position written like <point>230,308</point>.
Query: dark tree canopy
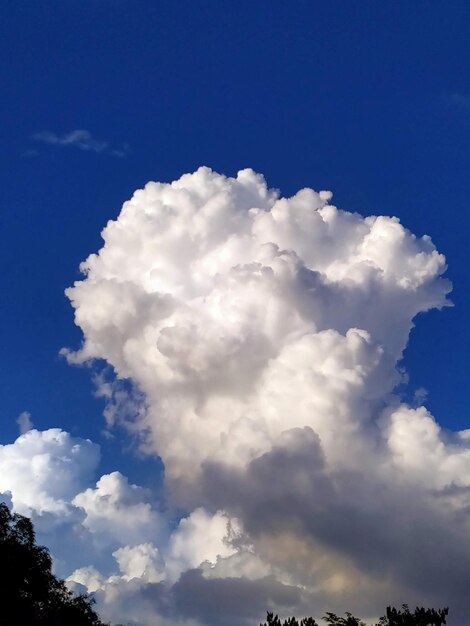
<point>30,595</point>
<point>420,617</point>
<point>393,617</point>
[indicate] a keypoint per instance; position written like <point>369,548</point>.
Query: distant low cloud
<point>116,540</point>
<point>81,139</point>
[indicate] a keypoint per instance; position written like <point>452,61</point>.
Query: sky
<point>211,346</point>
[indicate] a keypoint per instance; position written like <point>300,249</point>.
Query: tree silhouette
<point>333,620</point>
<point>393,617</point>
<point>420,617</point>
<point>30,595</point>
<point>273,620</point>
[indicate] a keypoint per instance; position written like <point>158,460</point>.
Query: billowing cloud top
<point>241,314</point>
<point>264,335</point>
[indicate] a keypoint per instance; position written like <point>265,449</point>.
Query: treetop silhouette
<point>30,594</point>
<point>393,617</point>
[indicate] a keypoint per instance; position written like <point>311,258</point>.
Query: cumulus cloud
<point>43,470</point>
<point>200,538</point>
<point>192,600</point>
<point>142,561</point>
<point>81,139</point>
<point>116,511</point>
<point>238,305</point>
<point>264,337</point>
<point>257,344</point>
<point>112,537</point>
<point>160,584</point>
<point>47,475</point>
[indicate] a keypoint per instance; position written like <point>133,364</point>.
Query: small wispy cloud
<point>30,153</point>
<point>461,100</point>
<point>81,139</point>
<point>24,422</point>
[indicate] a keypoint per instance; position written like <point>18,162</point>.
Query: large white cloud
<point>228,306</point>
<point>265,336</point>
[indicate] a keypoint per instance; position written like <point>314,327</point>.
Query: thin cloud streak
<point>81,139</point>
<point>461,100</point>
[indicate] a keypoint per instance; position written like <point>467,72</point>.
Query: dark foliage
<point>393,617</point>
<point>273,620</point>
<point>30,595</point>
<point>420,617</point>
<point>333,620</point>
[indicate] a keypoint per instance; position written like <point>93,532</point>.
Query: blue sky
<point>370,100</point>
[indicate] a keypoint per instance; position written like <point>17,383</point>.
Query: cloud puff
<point>142,561</point>
<point>116,511</point>
<point>265,335</point>
<point>200,538</point>
<point>46,475</point>
<point>43,470</point>
<point>81,139</point>
<point>24,422</point>
<point>112,535</point>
